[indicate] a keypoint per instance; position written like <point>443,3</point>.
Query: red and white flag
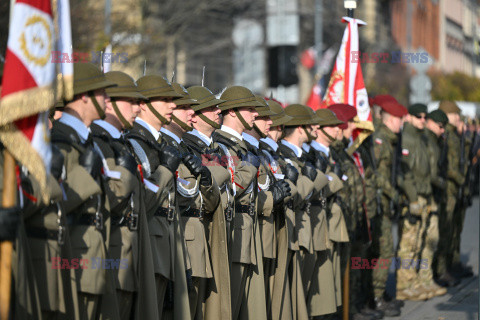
<point>346,82</point>
<point>28,87</point>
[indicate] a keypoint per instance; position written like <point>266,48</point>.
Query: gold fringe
<point>368,129</point>
<point>25,103</point>
<point>21,149</point>
<point>68,87</point>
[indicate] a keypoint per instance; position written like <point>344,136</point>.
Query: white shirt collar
<point>251,139</point>
<point>150,128</point>
<point>170,134</point>
<point>76,124</point>
<point>271,143</point>
<point>298,151</point>
<point>232,132</point>
<point>306,147</point>
<point>202,136</point>
<point>114,132</point>
<point>320,147</point>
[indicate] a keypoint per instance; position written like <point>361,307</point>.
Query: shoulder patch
<point>378,141</point>
<point>405,152</point>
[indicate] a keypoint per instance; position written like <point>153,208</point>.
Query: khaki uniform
<point>245,257</point>
<point>218,296</point>
<point>85,205</point>
<point>159,207</point>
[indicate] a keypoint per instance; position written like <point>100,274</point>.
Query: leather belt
<point>164,212</point>
<point>242,208</point>
<point>86,219</point>
<point>41,233</point>
<point>319,203</point>
<point>194,213</point>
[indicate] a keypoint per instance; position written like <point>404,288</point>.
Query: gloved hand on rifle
<point>126,160</point>
<point>280,190</point>
<point>92,162</point>
<point>291,173</point>
<point>194,164</point>
<point>170,158</point>
<point>309,171</point>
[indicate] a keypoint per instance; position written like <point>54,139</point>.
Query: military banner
<point>346,82</point>
<point>27,87</point>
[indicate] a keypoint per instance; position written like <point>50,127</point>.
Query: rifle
<point>394,207</point>
<point>461,165</point>
<point>442,168</point>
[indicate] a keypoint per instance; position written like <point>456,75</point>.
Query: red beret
<point>344,112</point>
<point>381,98</point>
<point>394,108</point>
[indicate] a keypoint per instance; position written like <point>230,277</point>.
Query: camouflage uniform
<point>382,242</point>
<point>455,179</point>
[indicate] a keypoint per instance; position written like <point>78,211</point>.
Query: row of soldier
<point>169,202</point>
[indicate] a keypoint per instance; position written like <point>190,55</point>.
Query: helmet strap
<point>309,136</point>
<point>327,135</point>
<point>125,123</point>
<point>100,111</point>
<point>156,114</point>
<point>257,130</point>
<point>182,124</point>
<point>245,124</point>
<point>210,122</point>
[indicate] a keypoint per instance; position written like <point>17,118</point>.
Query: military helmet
<point>125,88</point>
<point>185,99</point>
<point>237,97</point>
<point>205,98</point>
<point>301,115</point>
<point>153,86</point>
<point>327,118</point>
<point>280,117</point>
<point>449,107</point>
<point>88,77</point>
<point>264,110</point>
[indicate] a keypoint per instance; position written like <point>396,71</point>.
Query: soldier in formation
<point>172,203</point>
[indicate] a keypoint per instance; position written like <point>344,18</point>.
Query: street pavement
<point>461,302</point>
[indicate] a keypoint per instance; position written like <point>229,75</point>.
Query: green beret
<point>449,107</point>
<point>438,116</point>
<point>238,97</point>
<point>125,88</point>
<point>417,108</point>
<point>88,77</point>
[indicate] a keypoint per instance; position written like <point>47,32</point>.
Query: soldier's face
<point>249,114</point>
<point>435,127</point>
<point>333,132</point>
<point>418,121</point>
<point>396,124</point>
<point>129,109</point>
<point>184,114</point>
<point>347,133</point>
<point>275,133</point>
<point>312,129</point>
<point>264,124</point>
<point>212,113</point>
<point>165,107</point>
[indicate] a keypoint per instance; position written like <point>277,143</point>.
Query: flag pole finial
<point>203,77</point>
<point>144,66</point>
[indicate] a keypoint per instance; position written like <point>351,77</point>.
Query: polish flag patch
<point>378,141</point>
<point>405,152</point>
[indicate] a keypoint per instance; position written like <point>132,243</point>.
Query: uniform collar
<point>76,124</point>
<point>251,139</point>
<point>208,140</point>
<point>171,135</point>
<point>298,151</point>
<point>320,147</point>
<point>232,132</point>
<point>114,132</point>
<point>150,128</point>
<point>306,147</point>
<point>271,143</point>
